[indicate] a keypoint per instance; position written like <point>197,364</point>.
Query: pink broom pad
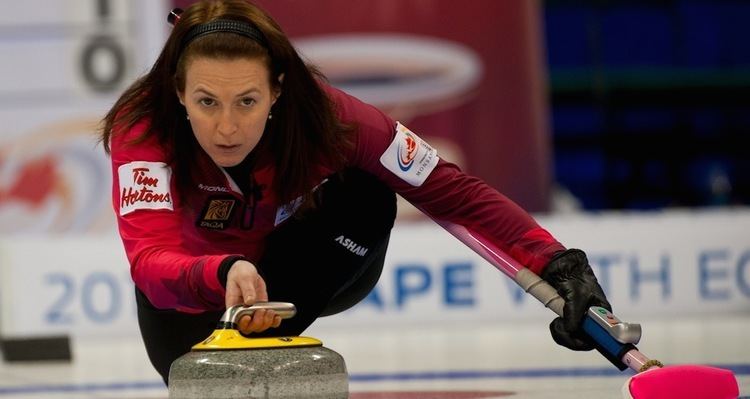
<point>687,381</point>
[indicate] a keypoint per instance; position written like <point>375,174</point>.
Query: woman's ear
<point>277,92</point>
<point>180,97</point>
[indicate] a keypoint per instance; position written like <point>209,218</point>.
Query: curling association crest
<point>217,213</point>
<point>409,157</point>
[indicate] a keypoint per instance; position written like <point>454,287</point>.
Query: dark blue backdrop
<point>651,101</point>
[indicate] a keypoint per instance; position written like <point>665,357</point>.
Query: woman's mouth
<point>228,148</point>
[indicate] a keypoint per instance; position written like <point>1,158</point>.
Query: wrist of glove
<point>570,274</point>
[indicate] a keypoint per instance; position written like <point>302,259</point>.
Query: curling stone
<point>230,365</point>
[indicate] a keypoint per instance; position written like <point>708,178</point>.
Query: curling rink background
<point>459,361</point>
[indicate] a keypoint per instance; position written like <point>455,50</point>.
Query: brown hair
<point>304,129</point>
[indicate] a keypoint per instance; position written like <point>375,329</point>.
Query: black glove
<point>570,274</point>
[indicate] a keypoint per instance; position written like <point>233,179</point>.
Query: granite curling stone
<point>229,365</point>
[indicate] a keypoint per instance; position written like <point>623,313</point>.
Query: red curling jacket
<point>175,245</point>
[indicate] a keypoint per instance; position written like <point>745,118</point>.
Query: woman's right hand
<point>245,287</point>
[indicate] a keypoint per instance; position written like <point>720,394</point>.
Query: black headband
<point>224,25</point>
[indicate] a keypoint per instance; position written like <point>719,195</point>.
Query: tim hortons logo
<point>145,192</point>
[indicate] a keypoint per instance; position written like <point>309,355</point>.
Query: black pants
<point>306,262</point>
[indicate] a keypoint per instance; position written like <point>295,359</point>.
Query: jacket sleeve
<point>447,193</point>
<point>149,221</point>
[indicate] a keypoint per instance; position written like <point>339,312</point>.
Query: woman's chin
<point>227,162</point>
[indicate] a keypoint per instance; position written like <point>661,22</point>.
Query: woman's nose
<point>226,124</point>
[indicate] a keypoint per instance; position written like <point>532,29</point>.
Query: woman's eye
<point>247,101</point>
<point>206,102</point>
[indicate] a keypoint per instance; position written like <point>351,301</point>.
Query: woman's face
<point>228,102</point>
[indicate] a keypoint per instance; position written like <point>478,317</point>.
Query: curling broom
<point>614,339</point>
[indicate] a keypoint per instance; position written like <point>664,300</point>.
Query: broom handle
<point>548,296</point>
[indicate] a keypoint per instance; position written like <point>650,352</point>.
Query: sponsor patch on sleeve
<point>144,185</point>
<point>409,157</point>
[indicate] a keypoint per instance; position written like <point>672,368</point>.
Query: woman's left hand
<point>570,274</point>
